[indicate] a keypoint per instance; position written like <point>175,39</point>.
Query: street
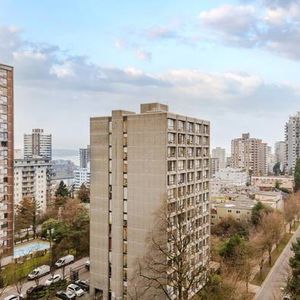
<point>270,289</point>
<point>84,274</point>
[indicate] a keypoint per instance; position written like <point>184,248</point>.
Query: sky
<point>234,63</point>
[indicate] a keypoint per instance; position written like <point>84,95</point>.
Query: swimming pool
<point>30,247</point>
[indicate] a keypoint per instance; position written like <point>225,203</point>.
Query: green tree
<point>293,283</point>
<point>84,194</point>
<point>257,212</point>
<point>26,215</point>
<point>62,191</point>
<point>229,248</point>
<point>70,232</point>
<point>229,226</point>
<point>297,176</point>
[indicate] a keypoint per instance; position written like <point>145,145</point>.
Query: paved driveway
<point>270,289</point>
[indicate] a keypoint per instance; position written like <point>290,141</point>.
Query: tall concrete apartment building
<point>280,152</point>
<point>38,144</point>
<point>250,154</point>
<point>220,154</point>
<point>292,139</point>
<point>139,162</point>
<point>32,178</point>
<point>84,156</point>
<point>6,160</point>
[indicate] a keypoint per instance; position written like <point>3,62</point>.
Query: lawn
<point>15,271</point>
<point>258,280</point>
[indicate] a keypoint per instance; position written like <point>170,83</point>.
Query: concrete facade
<point>7,159</point>
<point>32,178</point>
<point>280,152</point>
<point>84,157</point>
<point>81,176</point>
<point>239,210</point>
<point>250,154</point>
<point>140,162</point>
<point>220,154</point>
<point>227,177</point>
<point>38,144</point>
<point>292,140</point>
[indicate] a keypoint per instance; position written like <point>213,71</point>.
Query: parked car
<point>63,261</point>
<point>87,265</point>
<point>14,297</point>
<point>67,295</point>
<point>84,284</point>
<point>39,272</point>
<point>78,291</point>
<point>53,279</point>
<point>35,290</point>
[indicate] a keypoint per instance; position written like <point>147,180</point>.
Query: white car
<point>75,289</point>
<point>53,279</point>
<point>63,261</point>
<point>39,272</point>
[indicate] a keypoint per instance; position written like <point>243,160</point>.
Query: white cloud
<point>62,89</point>
<point>143,55</point>
<point>63,70</point>
<point>229,18</point>
<point>272,26</point>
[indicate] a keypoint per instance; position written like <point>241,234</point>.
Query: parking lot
<point>78,265</point>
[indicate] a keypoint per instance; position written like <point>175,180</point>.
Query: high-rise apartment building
<point>32,178</point>
<point>219,153</point>
<point>139,163</point>
<point>81,176</point>
<point>249,154</point>
<point>214,166</point>
<point>37,144</point>
<point>84,156</point>
<point>7,158</point>
<point>280,152</point>
<point>292,139</point>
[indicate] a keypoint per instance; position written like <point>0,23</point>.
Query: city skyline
<point>245,75</point>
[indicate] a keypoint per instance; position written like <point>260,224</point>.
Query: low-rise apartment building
<point>268,183</point>
<point>272,199</point>
<point>239,210</point>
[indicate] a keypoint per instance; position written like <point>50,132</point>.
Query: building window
<point>181,152</point>
<point>190,127</point>
<point>181,165</point>
<point>171,138</point>
<point>181,138</point>
<point>171,124</point>
<point>171,166</point>
<point>180,125</point>
<point>171,152</point>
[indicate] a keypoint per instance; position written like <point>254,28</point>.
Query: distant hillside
<point>66,154</point>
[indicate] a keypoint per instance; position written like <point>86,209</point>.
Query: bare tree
<point>271,227</point>
<point>172,264</point>
<point>258,241</point>
<point>291,210</point>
